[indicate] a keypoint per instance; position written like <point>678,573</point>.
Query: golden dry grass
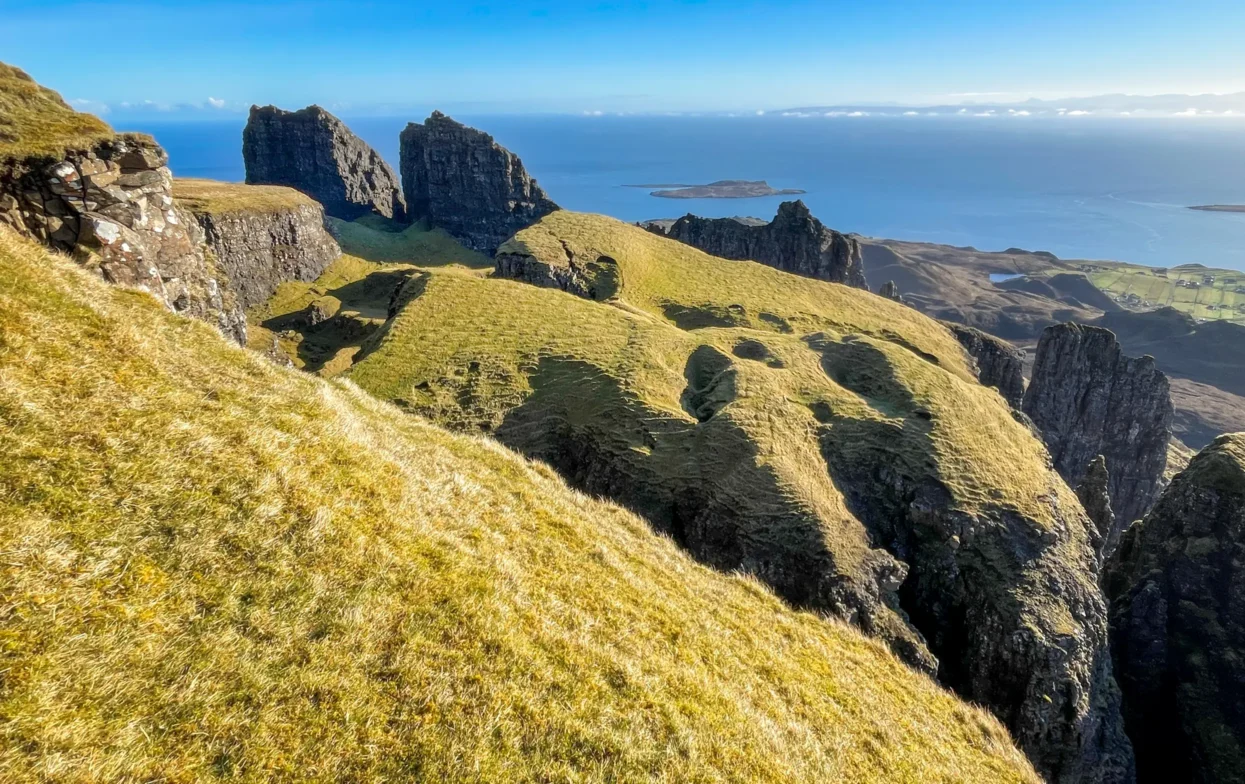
<point>215,568</point>
<point>216,198</point>
<point>36,121</point>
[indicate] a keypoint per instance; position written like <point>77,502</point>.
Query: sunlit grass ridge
<point>215,568</point>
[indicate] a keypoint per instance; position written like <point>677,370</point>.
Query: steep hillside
<point>1178,623</point>
<point>833,443</point>
<point>216,568</point>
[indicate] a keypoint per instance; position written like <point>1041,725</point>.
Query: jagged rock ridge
<point>1088,399</point>
<point>463,181</point>
<point>314,152</point>
<point>999,363</point>
<point>794,242</point>
<point>1178,624</point>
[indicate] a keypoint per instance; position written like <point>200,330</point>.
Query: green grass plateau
<point>1219,300</point>
<point>213,197</point>
<point>215,568</point>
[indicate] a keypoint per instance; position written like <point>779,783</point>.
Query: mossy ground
<point>354,290</point>
<point>216,568</point>
<point>36,122</point>
<point>218,198</point>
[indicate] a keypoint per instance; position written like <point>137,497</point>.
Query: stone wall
<point>112,208</point>
<point>260,250</point>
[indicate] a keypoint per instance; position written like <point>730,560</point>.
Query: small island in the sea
<point>722,189</point>
<point>1220,208</point>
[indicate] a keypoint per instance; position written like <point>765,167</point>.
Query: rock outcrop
<point>108,202</point>
<point>890,290</point>
<point>260,240</point>
<point>1178,624</point>
<point>1088,399</point>
<point>314,152</point>
<point>1095,495</point>
<point>999,363</point>
<point>794,242</point>
<point>463,181</point>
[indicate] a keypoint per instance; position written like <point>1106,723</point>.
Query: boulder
<point>314,152</point>
<point>1088,399</point>
<point>463,181</point>
<point>794,242</point>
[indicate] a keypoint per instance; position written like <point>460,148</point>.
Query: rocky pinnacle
<point>463,181</point>
<point>314,152</point>
<point>1088,399</point>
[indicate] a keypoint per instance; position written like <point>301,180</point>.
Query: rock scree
<point>1177,588</point>
<point>1088,399</point>
<point>314,152</point>
<point>794,242</point>
<point>463,181</point>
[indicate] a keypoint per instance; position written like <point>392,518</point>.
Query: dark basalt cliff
<point>314,152</point>
<point>261,249</point>
<point>1088,399</point>
<point>794,242</point>
<point>463,181</point>
<point>1178,624</point>
<point>1095,496</point>
<point>111,206</point>
<point>999,363</point>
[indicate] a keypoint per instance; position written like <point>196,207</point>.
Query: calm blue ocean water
<point>1080,188</point>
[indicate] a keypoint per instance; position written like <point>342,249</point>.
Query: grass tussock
<point>222,198</point>
<point>215,568</point>
<point>36,121</point>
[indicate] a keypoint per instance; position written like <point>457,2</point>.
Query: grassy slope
<point>35,121</point>
<point>902,359</point>
<point>214,197</point>
<point>214,567</point>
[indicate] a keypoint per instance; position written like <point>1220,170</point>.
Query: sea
<point>1079,187</point>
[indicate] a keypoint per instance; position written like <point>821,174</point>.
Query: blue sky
<point>661,55</point>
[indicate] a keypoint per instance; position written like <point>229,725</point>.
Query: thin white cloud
<point>910,114</point>
<point>1187,113</point>
<point>87,105</point>
<point>216,103</point>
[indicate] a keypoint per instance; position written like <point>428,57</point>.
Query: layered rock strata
<point>1178,624</point>
<point>794,242</point>
<point>259,249</point>
<point>111,207</point>
<point>463,181</point>
<point>314,152</point>
<point>1088,399</point>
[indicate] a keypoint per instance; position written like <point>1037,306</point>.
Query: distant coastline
<point>1220,208</point>
<point>722,189</point>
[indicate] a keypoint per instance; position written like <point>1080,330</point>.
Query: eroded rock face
<point>1178,624</point>
<point>1095,496</point>
<point>463,181</point>
<point>260,250</point>
<point>794,242</point>
<point>999,363</point>
<point>1088,399</point>
<point>314,152</point>
<point>112,208</point>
